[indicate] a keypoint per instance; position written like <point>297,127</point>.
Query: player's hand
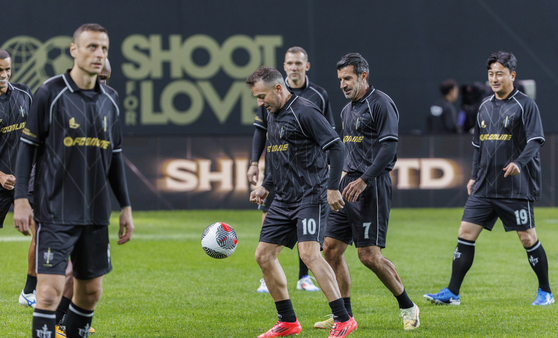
<point>470,186</point>
<point>258,196</point>
<point>23,216</point>
<point>126,225</point>
<point>7,181</point>
<point>354,189</point>
<point>511,170</point>
<point>253,173</point>
<point>335,200</point>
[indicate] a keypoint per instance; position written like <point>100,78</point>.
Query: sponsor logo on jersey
<point>495,137</point>
<point>73,123</point>
<point>277,147</point>
<point>28,133</point>
<point>13,127</point>
<point>356,139</point>
<point>86,141</point>
<point>258,119</point>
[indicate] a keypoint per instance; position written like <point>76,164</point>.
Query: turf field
<point>164,285</point>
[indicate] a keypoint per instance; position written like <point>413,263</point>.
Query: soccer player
<point>296,65</point>
<point>74,129</point>
<point>370,133</point>
<point>15,101</point>
<point>298,136</point>
<point>505,180</point>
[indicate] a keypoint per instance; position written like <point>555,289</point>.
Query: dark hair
<point>296,49</point>
<point>446,86</point>
<point>356,60</point>
<point>507,60</point>
<point>95,27</point>
<point>4,55</point>
<point>268,75</point>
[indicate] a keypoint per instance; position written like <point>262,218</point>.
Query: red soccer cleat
<point>282,329</point>
<point>342,329</point>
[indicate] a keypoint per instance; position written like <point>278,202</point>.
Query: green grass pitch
<point>164,285</point>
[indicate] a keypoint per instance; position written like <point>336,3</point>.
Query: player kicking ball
<point>505,180</point>
<point>298,136</point>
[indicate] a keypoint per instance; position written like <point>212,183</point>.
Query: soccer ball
<point>219,240</point>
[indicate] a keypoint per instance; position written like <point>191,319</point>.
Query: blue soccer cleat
<point>444,297</point>
<point>543,298</point>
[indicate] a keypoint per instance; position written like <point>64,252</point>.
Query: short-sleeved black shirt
<point>315,94</point>
<point>367,123</point>
<point>14,108</point>
<point>298,134</point>
<point>503,129</point>
<point>76,133</point>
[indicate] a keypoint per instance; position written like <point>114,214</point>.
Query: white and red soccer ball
<point>219,240</point>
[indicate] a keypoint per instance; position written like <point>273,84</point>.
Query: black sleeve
<point>117,179</point>
<point>24,163</point>
<point>336,157</point>
<point>528,153</point>
<point>258,144</point>
<point>381,161</point>
<point>476,164</point>
<point>268,183</point>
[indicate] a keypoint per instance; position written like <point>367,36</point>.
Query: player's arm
<point>23,214</point>
<point>514,167</point>
<point>7,181</point>
<point>258,145</point>
<point>336,159</point>
<point>117,180</point>
<point>259,194</point>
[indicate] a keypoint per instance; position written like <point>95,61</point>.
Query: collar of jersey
<point>288,104</point>
<point>306,83</point>
<point>72,86</point>
<point>368,93</point>
<point>512,94</point>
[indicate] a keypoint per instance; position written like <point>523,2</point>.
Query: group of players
<point>308,165</point>
<point>60,150</point>
<point>70,133</point>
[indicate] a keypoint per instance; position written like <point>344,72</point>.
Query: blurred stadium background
<point>179,68</point>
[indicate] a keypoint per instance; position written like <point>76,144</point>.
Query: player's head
<point>449,89</point>
<point>296,64</point>
<point>267,86</point>
<point>501,72</point>
<point>5,70</point>
<point>105,73</point>
<point>352,71</point>
<point>90,48</point>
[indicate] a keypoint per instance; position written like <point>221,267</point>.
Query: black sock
<point>539,264</point>
<point>302,268</point>
<point>30,284</point>
<point>285,311</point>
<point>338,309</point>
<point>462,262</point>
<point>78,321</point>
<point>44,323</point>
<point>62,308</point>
<point>347,302</point>
<point>404,301</point>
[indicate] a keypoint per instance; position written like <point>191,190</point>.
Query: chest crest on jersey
<point>282,132</point>
<point>22,111</point>
<point>73,124</point>
<point>357,123</point>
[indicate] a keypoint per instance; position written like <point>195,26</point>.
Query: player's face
<point>500,79</point>
<point>296,65</point>
<point>5,74</point>
<point>267,96</point>
<point>90,51</point>
<point>353,86</point>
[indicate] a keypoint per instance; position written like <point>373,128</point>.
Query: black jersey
<point>317,95</point>
<point>366,123</point>
<point>503,129</point>
<point>76,132</point>
<point>14,108</point>
<point>296,138</point>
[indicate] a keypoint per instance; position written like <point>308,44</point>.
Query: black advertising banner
<point>179,66</point>
<point>210,172</point>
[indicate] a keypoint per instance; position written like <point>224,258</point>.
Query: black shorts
<point>365,221</point>
<point>6,201</point>
<point>516,214</point>
<point>288,225</point>
<point>88,246</point>
<point>267,203</point>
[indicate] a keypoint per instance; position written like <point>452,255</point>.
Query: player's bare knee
<point>48,296</point>
<point>373,261</point>
<point>528,239</point>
